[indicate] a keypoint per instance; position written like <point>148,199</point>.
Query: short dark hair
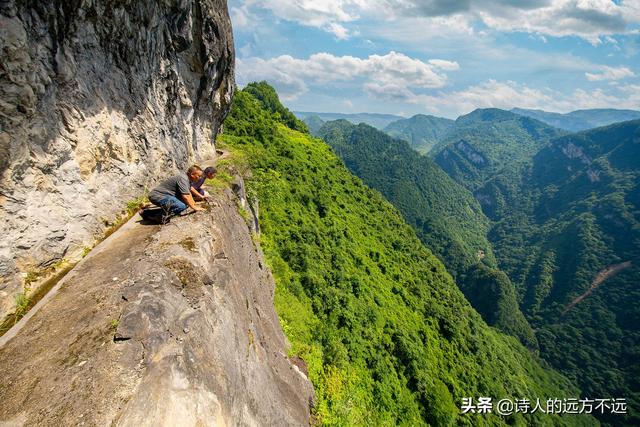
<point>194,168</point>
<point>209,170</point>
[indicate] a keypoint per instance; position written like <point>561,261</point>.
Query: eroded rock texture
<point>159,326</point>
<point>99,99</point>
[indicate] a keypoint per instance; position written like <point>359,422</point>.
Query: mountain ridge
<point>445,216</point>
<point>580,120</point>
<point>377,120</point>
<point>423,132</point>
<point>388,337</point>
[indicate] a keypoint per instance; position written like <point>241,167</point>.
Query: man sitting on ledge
<point>173,195</point>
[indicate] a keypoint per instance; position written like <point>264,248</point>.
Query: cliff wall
<point>98,100</point>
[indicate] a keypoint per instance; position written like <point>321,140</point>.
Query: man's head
<point>194,173</point>
<point>210,172</point>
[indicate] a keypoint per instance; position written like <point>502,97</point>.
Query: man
<point>173,195</point>
<point>197,191</point>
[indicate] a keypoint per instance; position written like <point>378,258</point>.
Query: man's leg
<point>172,205</point>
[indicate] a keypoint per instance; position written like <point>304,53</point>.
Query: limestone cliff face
<point>158,326</point>
<point>99,99</point>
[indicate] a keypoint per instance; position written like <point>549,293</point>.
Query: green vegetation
<point>578,212</point>
<point>487,142</point>
<point>135,205</point>
<point>26,299</point>
<point>445,216</point>
<point>314,123</point>
<point>420,131</point>
<point>270,102</point>
<point>563,209</point>
<point>388,338</point>
<point>31,277</point>
<point>22,302</point>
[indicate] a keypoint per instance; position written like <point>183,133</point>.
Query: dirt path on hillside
<point>602,275</point>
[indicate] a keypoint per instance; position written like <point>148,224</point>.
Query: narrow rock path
<point>158,325</point>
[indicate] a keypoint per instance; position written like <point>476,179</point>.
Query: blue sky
<point>441,57</point>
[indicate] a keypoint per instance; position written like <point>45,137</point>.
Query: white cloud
<point>348,104</point>
<point>254,69</point>
<point>490,94</point>
<point>338,30</point>
<point>589,19</point>
<point>610,73</point>
<point>506,95</point>
<point>240,16</point>
<point>418,32</point>
<point>292,76</point>
<point>328,15</point>
<point>444,65</point>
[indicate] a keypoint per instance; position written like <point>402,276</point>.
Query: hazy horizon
<point>441,58</point>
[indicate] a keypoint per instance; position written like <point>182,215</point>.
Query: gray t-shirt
<point>174,186</point>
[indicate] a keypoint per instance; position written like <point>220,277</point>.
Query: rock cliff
<point>98,100</point>
<point>159,325</point>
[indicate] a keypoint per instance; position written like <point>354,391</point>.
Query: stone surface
<point>98,101</point>
<point>159,325</point>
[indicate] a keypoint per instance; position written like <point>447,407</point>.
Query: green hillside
<point>486,142</point>
<point>314,123</point>
<point>577,215</point>
<point>445,216</point>
<point>388,337</point>
<point>420,131</point>
<point>565,213</point>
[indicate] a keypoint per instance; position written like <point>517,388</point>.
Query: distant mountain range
<point>560,217</point>
<point>489,142</point>
<point>420,131</point>
<point>379,121</point>
<point>444,214</point>
<point>581,119</point>
<point>424,132</point>
<point>388,337</point>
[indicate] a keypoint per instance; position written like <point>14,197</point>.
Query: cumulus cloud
<point>291,76</point>
<point>444,65</point>
<point>610,73</point>
<point>506,95</point>
<point>329,15</point>
<point>589,19</point>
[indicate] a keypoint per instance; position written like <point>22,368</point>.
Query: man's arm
<point>195,194</point>
<point>188,199</point>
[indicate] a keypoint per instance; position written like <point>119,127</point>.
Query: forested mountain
<point>445,216</point>
<point>422,132</point>
<point>487,142</point>
<point>563,212</point>
<point>387,336</point>
<point>314,123</point>
<point>571,244</point>
<point>378,121</point>
<point>565,229</point>
<point>580,119</point>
